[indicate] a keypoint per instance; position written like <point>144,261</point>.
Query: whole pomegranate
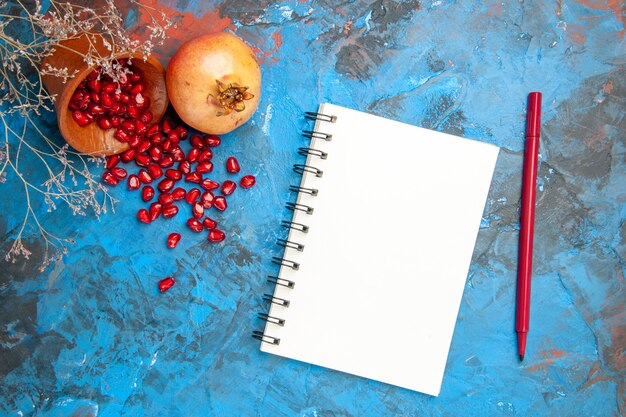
<point>214,83</point>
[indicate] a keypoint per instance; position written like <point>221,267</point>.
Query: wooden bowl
<point>92,139</point>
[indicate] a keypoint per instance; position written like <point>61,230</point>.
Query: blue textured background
<point>92,336</point>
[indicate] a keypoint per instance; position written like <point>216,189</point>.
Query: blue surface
<point>92,335</point>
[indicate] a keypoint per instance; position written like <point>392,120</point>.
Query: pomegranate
<point>214,83</point>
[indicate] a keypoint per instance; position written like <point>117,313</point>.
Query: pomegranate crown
<point>231,97</point>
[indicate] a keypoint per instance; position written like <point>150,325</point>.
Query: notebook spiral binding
<point>290,225</point>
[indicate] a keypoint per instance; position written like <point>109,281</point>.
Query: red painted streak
<point>614,6</point>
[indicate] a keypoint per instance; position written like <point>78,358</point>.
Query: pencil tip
<point>521,358</point>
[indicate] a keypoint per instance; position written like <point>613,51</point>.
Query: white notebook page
<point>388,250</point>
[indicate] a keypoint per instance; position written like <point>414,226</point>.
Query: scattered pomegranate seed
<point>119,173</point>
<point>143,146</point>
<point>179,193</point>
<point>166,283</point>
<point>184,167</point>
<point>133,182</point>
<point>216,236</point>
<point>155,171</point>
<point>147,193</point>
<point>156,153</point>
<point>196,141</point>
<point>247,181</point>
<point>172,240</point>
<point>165,185</point>
<point>173,174</point>
<point>194,225</point>
<point>209,223</point>
<point>193,155</point>
<point>193,177</point>
<point>212,140</point>
<point>109,178</point>
<point>170,211</point>
<point>128,155</point>
<point>204,167</point>
<point>228,187</point>
<point>207,199</point>
<point>166,127</point>
<point>81,118</point>
<point>153,130</point>
<point>155,210</point>
<point>112,161</point>
<point>205,155</point>
<point>166,199</point>
<point>143,215</point>
<point>166,162</point>
<point>144,176</point>
<point>197,209</point>
<point>104,123</point>
<point>220,203</point>
<point>142,160</point>
<point>232,165</point>
<point>192,195</point>
<point>207,184</point>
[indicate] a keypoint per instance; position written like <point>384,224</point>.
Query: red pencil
<point>527,221</point>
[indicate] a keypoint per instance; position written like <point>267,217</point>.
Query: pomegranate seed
<point>228,187</point>
<point>166,162</point>
<point>146,116</point>
<point>170,211</point>
<point>135,76</point>
<point>232,165</point>
<point>143,146</point>
<point>207,199</point>
<point>133,182</point>
<point>168,145</point>
<point>156,153</point>
<point>166,199</point>
<point>92,76</point>
<point>207,184</point>
<point>108,88</point>
<point>118,109</point>
<point>209,223</point>
<point>97,109</point>
<point>137,88</point>
<point>177,154</point>
<point>194,225</point>
<point>179,193</point>
<point>204,167</point>
<point>147,193</point>
<point>173,174</point>
<point>155,171</point>
<point>153,130</point>
<point>205,155</point>
<point>119,173</point>
<point>192,195</point>
<point>115,121</point>
<point>165,185</point>
<point>144,176</point>
<point>220,203</point>
<point>139,99</point>
<point>166,283</point>
<point>117,97</point>
<point>140,127</point>
<point>133,112</point>
<point>81,118</point>
<point>166,126</point>
<point>107,101</point>
<point>212,140</point>
<point>184,167</point>
<point>193,154</point>
<point>197,210</point>
<point>94,85</point>
<point>182,131</point>
<point>84,102</point>
<point>142,159</point>
<point>193,177</point>
<point>174,136</point>
<point>94,97</point>
<point>104,123</point>
<point>121,135</point>
<point>216,236</point>
<point>157,139</point>
<point>109,178</point>
<point>128,155</point>
<point>247,181</point>
<point>172,240</point>
<point>112,161</point>
<point>77,96</point>
<point>155,211</point>
<point>73,106</point>
<point>196,141</point>
<point>128,126</point>
<point>143,215</point>
<point>134,141</point>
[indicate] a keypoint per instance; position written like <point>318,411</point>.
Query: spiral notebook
<point>378,250</point>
